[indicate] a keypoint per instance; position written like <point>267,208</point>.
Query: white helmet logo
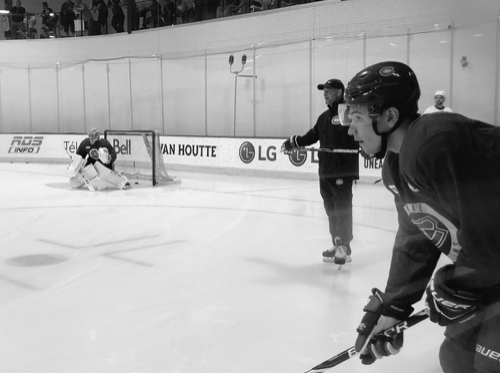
<point>386,71</point>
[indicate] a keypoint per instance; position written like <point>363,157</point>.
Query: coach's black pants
<point>337,200</point>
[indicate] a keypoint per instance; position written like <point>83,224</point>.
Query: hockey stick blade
<point>351,352</point>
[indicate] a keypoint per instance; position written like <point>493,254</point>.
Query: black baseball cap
<point>332,83</point>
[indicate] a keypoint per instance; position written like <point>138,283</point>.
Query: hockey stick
<point>80,171</point>
<point>351,352</point>
<point>326,150</point>
<point>329,150</point>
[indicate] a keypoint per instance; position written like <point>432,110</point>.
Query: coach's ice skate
<point>339,254</point>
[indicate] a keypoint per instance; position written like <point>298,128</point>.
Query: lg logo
<point>298,157</point>
<point>247,152</point>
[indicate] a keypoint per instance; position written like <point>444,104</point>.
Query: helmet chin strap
<point>381,153</point>
<point>385,137</point>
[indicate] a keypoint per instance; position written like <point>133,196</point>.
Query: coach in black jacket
<point>336,170</point>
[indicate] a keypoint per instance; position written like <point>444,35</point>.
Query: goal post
<point>139,155</point>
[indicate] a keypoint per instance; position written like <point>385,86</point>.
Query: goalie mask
<point>94,135</point>
<point>380,86</point>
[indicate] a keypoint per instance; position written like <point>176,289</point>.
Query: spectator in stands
<point>185,8</point>
<point>205,9</point>
<point>291,2</point>
<point>68,17</point>
<point>220,9</point>
<point>6,27</point>
<point>156,14</point>
<point>118,16</point>
<point>135,15</point>
<point>233,7</point>
<point>169,17</point>
<point>142,14</point>
<point>153,20</point>
<point>29,24</point>
<point>269,4</point>
<point>49,21</point>
<point>262,5</point>
<point>102,15</point>
<point>17,20</point>
<point>85,15</point>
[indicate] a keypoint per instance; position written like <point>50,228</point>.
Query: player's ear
<point>392,116</point>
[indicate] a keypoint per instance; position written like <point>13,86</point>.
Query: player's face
<point>439,100</point>
<point>93,138</point>
<point>362,131</point>
<point>331,95</point>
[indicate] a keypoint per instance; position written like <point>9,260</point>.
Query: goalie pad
<point>77,162</point>
<point>111,177</point>
<point>78,181</point>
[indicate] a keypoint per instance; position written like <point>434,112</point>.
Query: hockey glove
<point>104,155</point>
<point>289,145</point>
<point>94,153</point>
<point>448,305</point>
<point>379,315</point>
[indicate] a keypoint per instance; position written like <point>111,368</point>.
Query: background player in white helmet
<point>444,172</point>
<point>439,99</point>
<point>99,155</point>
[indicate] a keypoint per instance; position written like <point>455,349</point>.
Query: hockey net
<point>139,155</point>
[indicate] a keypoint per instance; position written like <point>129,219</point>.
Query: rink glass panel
<point>96,96</point>
<point>44,100</point>
<point>184,96</point>
<point>120,105</point>
<point>146,95</point>
<point>71,98</point>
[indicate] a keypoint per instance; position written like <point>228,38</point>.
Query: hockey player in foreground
<point>94,159</point>
<point>444,172</point>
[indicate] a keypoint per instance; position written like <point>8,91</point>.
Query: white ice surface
<point>218,274</point>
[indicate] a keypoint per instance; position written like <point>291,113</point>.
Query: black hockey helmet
<point>385,84</point>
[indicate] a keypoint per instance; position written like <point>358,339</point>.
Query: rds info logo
<point>26,144</point>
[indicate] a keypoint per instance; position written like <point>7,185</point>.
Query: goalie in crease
<point>94,158</point>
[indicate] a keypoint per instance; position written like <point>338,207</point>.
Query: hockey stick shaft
<point>330,150</point>
<point>325,150</point>
<point>351,352</point>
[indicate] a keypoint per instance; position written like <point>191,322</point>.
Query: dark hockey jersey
<point>332,135</point>
<point>85,147</point>
<point>446,182</point>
